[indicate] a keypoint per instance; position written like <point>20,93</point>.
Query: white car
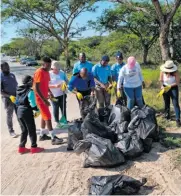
<point>13,59</point>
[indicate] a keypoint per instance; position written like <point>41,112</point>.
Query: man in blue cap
<point>82,63</point>
<point>115,69</point>
<point>103,80</point>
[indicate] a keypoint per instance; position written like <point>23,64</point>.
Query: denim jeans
<point>173,93</point>
<point>134,95</point>
<point>60,104</point>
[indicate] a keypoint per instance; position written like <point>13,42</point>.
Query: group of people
<point>50,85</point>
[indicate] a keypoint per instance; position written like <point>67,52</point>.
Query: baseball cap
<point>119,55</point>
<point>82,54</point>
<point>105,58</point>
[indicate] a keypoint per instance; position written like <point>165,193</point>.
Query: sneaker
<point>36,150</point>
<point>57,141</point>
<point>44,137</point>
<point>178,123</point>
<point>23,150</point>
<point>13,135</point>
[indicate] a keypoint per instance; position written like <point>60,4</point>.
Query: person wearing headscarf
<point>131,78</point>
<point>170,79</point>
<point>25,101</point>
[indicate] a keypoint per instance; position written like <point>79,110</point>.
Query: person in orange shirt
<point>42,93</point>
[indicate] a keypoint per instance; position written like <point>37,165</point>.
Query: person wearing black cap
<point>25,101</point>
<point>103,80</point>
<point>82,63</point>
<point>115,69</point>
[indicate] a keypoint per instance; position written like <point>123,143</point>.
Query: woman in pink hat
<point>131,78</point>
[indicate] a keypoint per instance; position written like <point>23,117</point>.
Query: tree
<point>56,17</point>
<point>164,15</point>
<point>36,37</point>
<point>124,18</point>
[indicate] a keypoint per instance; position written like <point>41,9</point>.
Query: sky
<point>9,29</point>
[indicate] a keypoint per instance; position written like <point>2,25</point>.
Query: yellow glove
<point>167,88</point>
<point>164,90</point>
<point>13,98</point>
<point>36,114</point>
<point>53,99</point>
<point>79,96</point>
<point>64,87</point>
<point>118,93</point>
<point>114,84</point>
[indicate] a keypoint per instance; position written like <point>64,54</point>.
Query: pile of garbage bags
<point>114,185</point>
<point>109,136</point>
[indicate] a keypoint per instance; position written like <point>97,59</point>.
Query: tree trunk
<point>164,44</point>
<point>67,58</point>
<point>145,54</point>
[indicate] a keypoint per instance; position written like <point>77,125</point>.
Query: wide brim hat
<point>169,67</point>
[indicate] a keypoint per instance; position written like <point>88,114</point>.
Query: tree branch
<point>158,10</point>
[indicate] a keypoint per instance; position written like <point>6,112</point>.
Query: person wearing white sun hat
<point>169,77</point>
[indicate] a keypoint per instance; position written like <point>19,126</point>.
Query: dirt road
<point>58,172</point>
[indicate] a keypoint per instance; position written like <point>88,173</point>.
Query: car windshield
<point>30,59</point>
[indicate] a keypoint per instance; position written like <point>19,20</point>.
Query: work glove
<point>12,98</point>
<point>164,90</point>
<point>118,93</point>
<point>114,84</point>
<point>79,96</point>
<point>64,87</point>
<point>36,114</point>
<point>53,99</point>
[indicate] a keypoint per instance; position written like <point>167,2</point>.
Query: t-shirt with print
<point>56,79</point>
<point>43,77</point>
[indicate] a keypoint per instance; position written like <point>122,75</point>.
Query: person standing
<point>131,78</point>
<point>57,85</point>
<point>103,80</point>
<point>115,69</point>
<point>26,103</point>
<point>82,85</point>
<point>82,63</point>
<point>8,93</point>
<point>169,77</point>
<point>42,93</point>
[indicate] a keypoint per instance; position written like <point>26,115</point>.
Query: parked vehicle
<point>13,59</point>
<point>23,60</point>
<point>31,62</point>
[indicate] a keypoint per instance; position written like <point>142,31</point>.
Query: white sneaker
<point>13,135</point>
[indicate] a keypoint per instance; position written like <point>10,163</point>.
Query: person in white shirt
<point>58,79</point>
<point>169,77</point>
<point>131,78</point>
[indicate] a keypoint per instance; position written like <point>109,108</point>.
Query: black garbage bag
<point>147,144</point>
<point>130,145</point>
<point>87,104</point>
<point>114,185</point>
<point>104,114</point>
<point>99,152</point>
<point>144,122</point>
<point>119,114</point>
<point>74,134</point>
<point>93,125</point>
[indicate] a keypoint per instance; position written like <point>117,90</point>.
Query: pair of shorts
<point>44,111</point>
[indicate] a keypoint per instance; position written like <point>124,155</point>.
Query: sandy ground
<point>58,172</point>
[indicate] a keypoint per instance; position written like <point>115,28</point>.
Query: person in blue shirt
<point>82,63</point>
<point>82,85</point>
<point>103,80</point>
<point>115,69</point>
<point>25,101</point>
